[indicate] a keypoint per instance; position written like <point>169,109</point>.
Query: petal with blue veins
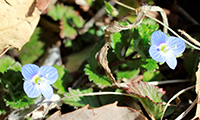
<point>171,60</point>
<point>29,70</point>
<point>31,89</point>
<point>49,73</point>
<point>158,37</point>
<point>156,54</point>
<point>177,45</point>
<point>46,90</point>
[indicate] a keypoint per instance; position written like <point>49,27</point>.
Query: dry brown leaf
<point>101,55</point>
<point>18,21</point>
<point>107,112</point>
<point>197,115</point>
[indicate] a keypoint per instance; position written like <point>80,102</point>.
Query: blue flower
<point>166,49</point>
<point>39,80</point>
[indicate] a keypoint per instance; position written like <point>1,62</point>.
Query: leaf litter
<point>101,56</point>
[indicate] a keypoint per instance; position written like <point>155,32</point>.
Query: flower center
<point>163,47</point>
<point>37,79</point>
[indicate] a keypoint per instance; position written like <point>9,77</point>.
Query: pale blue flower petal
<point>158,37</point>
<point>171,60</point>
<point>177,45</point>
<point>46,90</point>
<point>29,70</point>
<point>156,54</point>
<point>31,89</point>
<point>49,73</point>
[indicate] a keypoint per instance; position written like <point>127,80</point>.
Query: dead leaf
<point>16,26</point>
<point>42,4</point>
<point>36,111</point>
<point>197,115</point>
<point>101,55</point>
<point>83,5</point>
<point>101,58</point>
<point>107,112</point>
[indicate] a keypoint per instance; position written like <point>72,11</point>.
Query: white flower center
<point>37,79</point>
<point>163,47</point>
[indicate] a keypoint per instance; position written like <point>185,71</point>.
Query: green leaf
<point>117,45</point>
<point>137,44</point>
<point>78,21</point>
<point>64,79</point>
<point>33,49</point>
<point>22,103</point>
<point>147,64</point>
<point>93,101</point>
<point>127,74</point>
<point>67,42</point>
<point>150,97</point>
<point>150,75</point>
<point>111,10</point>
<point>142,35</point>
<point>70,13</point>
<point>68,18</point>
<point>119,42</point>
<point>146,28</point>
<point>97,79</point>
<point>57,12</point>
<point>150,65</point>
<point>11,86</point>
<point>115,38</point>
<point>67,30</point>
<point>81,101</point>
<point>5,63</point>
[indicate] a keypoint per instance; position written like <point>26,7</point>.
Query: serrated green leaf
<point>149,96</point>
<point>22,103</point>
<point>57,12</point>
<point>97,79</point>
<point>67,30</point>
<point>119,42</point>
<point>70,12</point>
<point>150,65</point>
<point>12,87</point>
<point>33,49</point>
<point>150,75</point>
<point>115,38</point>
<point>59,83</point>
<point>136,44</point>
<point>146,28</point>
<point>81,101</point>
<point>142,35</point>
<point>63,81</point>
<point>93,101</point>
